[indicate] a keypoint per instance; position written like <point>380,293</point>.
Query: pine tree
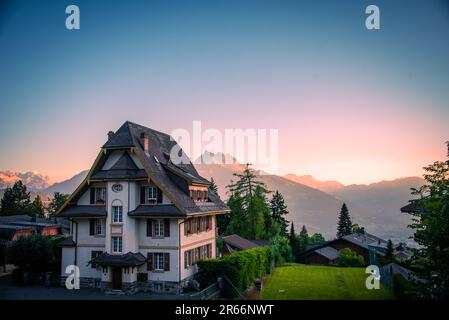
<point>294,242</point>
<point>16,200</point>
<point>213,187</point>
<point>248,205</point>
<point>303,240</point>
<point>292,234</point>
<point>278,212</point>
<point>304,233</point>
<point>389,253</point>
<point>56,203</point>
<point>38,207</point>
<point>344,222</point>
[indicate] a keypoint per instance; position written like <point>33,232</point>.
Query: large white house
<point>138,221</point>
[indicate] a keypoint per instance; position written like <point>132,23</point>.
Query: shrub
<point>402,288</point>
<point>349,258</point>
<point>31,253</point>
<point>241,268</point>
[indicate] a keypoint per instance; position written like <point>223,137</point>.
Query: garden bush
<point>348,258</point>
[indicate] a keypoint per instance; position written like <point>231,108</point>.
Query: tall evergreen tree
<point>304,233</point>
<point>344,222</point>
<point>278,212</point>
<point>56,202</point>
<point>389,253</point>
<point>38,207</point>
<point>213,187</point>
<point>303,240</point>
<point>294,242</point>
<point>431,232</point>
<point>292,234</point>
<point>248,205</point>
<point>16,200</point>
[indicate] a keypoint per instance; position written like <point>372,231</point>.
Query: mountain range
<point>310,202</point>
<point>33,180</point>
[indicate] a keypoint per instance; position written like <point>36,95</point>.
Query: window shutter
<point>149,228</point>
<point>166,261</point>
<point>142,195</point>
<point>185,259</point>
<point>92,195</point>
<point>93,255</point>
<point>91,227</point>
<point>166,227</point>
<point>149,261</point>
<point>159,195</point>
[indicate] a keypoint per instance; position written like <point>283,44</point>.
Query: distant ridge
<point>67,186</point>
<point>310,181</point>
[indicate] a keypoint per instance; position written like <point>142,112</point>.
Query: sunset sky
<point>350,104</point>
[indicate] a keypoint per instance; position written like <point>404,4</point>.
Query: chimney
<point>145,141</point>
<point>110,134</point>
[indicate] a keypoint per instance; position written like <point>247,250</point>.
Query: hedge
<point>242,268</point>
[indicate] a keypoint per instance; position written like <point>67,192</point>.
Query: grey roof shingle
<point>239,242</point>
<point>160,210</point>
<point>128,259</point>
<point>67,242</point>
<point>84,211</point>
<point>413,207</point>
<point>328,252</point>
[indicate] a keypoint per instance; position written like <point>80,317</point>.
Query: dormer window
<point>198,195</point>
<point>150,195</point>
<point>98,195</point>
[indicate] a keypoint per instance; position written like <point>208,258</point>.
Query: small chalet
<point>235,242</point>
<point>369,246</point>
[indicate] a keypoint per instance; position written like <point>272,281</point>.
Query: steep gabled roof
<point>124,168</point>
<point>157,168</point>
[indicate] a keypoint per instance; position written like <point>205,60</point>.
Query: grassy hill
<point>305,282</point>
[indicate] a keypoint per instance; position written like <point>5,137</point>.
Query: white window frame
<point>158,228</point>
<point>99,227</point>
<point>158,262</point>
<point>117,247</point>
<point>118,214</point>
<point>102,191</point>
<point>151,194</point>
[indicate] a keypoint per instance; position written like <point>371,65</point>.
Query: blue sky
<point>342,97</point>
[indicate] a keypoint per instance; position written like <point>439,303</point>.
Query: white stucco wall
<point>67,258</point>
<point>84,238</point>
<point>172,275</point>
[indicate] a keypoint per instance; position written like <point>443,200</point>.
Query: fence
<point>208,293</point>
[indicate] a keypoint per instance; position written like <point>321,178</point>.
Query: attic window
<point>199,195</point>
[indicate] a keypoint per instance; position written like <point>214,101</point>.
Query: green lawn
<point>302,282</point>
